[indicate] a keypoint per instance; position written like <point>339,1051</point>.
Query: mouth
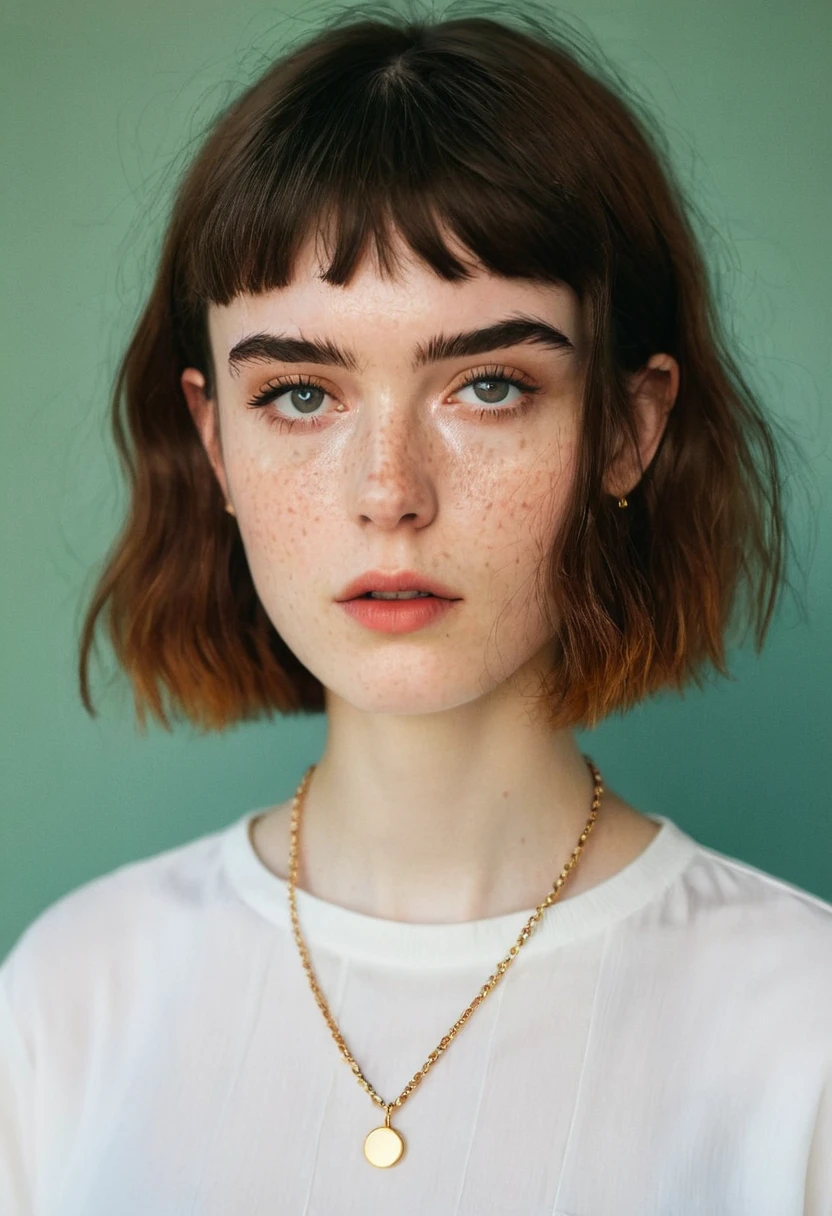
<point>408,595</point>
<point>395,584</point>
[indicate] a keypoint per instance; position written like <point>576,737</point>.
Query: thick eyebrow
<point>514,331</point>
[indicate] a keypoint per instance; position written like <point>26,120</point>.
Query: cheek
<point>515,506</point>
<point>286,518</point>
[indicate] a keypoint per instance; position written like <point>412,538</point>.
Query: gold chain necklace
<point>384,1146</point>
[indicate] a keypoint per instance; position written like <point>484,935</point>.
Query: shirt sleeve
<point>16,1111</point>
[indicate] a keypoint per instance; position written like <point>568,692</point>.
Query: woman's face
<point>393,463</point>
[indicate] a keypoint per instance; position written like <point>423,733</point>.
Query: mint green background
<point>100,99</point>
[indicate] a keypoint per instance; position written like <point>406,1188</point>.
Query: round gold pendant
<point>383,1146</point>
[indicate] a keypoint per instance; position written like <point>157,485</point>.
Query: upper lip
<point>404,580</point>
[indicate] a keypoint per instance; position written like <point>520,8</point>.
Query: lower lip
<point>398,616</point>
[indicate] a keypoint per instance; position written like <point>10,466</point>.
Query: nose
<point>395,471</point>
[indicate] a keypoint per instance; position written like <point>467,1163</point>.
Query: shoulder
<point>745,897</point>
<point>739,932</point>
<point>114,933</point>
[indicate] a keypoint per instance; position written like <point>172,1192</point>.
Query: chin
<point>404,693</point>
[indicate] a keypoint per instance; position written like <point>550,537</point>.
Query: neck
<point>445,817</point>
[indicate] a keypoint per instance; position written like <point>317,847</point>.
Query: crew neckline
<point>372,939</point>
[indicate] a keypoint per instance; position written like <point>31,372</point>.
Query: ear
<point>653,392</point>
<point>204,411</point>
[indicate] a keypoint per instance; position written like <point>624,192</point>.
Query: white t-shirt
<point>661,1046</point>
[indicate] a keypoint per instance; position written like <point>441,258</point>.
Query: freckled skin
<point>406,476</point>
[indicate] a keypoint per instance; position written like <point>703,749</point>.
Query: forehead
<point>411,300</point>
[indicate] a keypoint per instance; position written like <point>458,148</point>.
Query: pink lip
<point>397,616</point>
<point>403,580</point>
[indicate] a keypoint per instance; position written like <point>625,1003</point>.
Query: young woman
<point>429,322</point>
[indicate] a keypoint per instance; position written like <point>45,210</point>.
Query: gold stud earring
<point>622,502</point>
<point>229,508</point>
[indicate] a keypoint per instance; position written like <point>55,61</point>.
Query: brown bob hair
<point>506,134</point>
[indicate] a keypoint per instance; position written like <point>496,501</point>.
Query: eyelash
<point>281,384</point>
